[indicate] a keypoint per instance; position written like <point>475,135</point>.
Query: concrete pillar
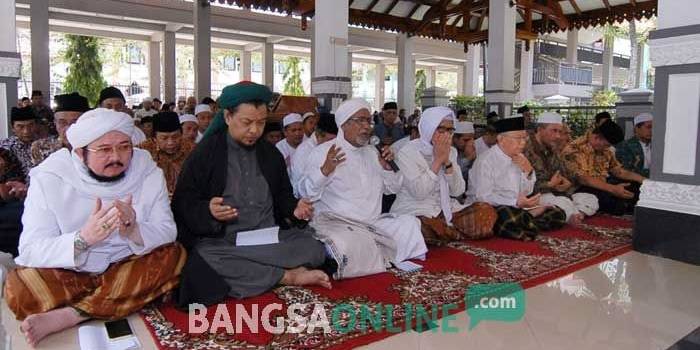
<point>430,77</point>
<point>379,86</point>
<point>10,65</point>
<point>406,97</point>
<point>202,49</point>
<point>330,82</point>
<point>526,66</point>
<point>608,50</point>
<point>572,46</point>
<point>268,65</point>
<point>350,72</point>
<point>501,58</point>
<point>154,69</point>
<point>667,215</point>
<point>39,24</point>
<point>246,66</point>
<point>470,72</point>
<point>169,76</point>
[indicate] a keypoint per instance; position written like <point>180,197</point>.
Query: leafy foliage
<point>84,67</point>
<point>292,77</point>
<point>421,82</point>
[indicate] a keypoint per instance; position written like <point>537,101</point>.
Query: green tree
<point>421,82</point>
<point>292,77</point>
<point>604,98</point>
<point>84,67</point>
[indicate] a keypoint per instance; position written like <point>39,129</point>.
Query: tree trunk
<point>632,80</point>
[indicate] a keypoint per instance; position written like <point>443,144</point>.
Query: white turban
<point>95,123</point>
<point>201,108</point>
<point>429,121</point>
<point>187,118</point>
<point>291,118</point>
<point>644,117</point>
<point>348,108</point>
<point>550,118</point>
<point>464,128</point>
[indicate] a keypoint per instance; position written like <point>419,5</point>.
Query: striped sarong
<point>519,224</point>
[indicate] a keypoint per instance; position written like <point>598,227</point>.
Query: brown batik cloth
<point>519,224</point>
<point>473,222</point>
<point>126,286</point>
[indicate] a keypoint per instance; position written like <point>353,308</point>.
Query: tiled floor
<point>634,301</point>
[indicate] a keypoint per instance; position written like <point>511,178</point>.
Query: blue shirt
<point>382,131</point>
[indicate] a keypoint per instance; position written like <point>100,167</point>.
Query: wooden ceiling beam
<point>391,7</point>
<point>371,6</point>
<point>607,4</point>
<point>575,6</point>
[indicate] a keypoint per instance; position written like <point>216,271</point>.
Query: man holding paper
<point>505,178</point>
<point>236,212</point>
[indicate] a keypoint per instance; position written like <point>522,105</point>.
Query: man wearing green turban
<point>234,183</point>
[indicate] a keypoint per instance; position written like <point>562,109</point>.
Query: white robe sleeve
<point>420,181</point>
<point>455,181</point>
<point>527,185</point>
<point>486,190</point>
<point>313,182</point>
<point>41,243</point>
<point>159,227</point>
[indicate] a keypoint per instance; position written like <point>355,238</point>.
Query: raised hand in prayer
<point>441,148</point>
<point>385,157</point>
<point>620,191</point>
<point>304,210</point>
<point>221,211</point>
<point>334,157</point>
<point>127,220</point>
<point>523,163</point>
<point>100,224</point>
<point>17,189</point>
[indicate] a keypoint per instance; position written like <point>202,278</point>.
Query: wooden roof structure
<point>466,21</point>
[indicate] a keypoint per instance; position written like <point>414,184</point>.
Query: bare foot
<point>576,219</point>
<point>36,327</point>
<point>302,276</point>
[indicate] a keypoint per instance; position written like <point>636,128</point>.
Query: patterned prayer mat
<point>447,272</point>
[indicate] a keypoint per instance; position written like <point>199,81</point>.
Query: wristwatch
<point>79,243</point>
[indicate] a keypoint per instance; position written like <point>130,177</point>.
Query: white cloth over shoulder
<point>287,152</point>
<point>496,180</point>
<point>298,160</point>
<point>60,199</point>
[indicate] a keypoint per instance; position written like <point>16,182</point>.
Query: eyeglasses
<point>442,130</point>
<point>104,152</point>
<point>361,121</point>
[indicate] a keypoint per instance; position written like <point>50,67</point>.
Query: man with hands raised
<point>504,178</point>
<point>98,231</point>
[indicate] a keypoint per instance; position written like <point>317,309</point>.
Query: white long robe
<point>354,191</point>
<point>420,192</point>
<point>298,161</point>
<point>496,180</point>
<point>287,152</point>
<point>480,146</point>
<point>62,196</point>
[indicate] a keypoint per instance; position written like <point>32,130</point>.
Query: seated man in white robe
<point>293,128</point>
<point>98,231</point>
<point>432,177</point>
<point>345,179</point>
<point>326,130</point>
<point>504,178</point>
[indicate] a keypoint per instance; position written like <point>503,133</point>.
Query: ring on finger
<point>105,226</point>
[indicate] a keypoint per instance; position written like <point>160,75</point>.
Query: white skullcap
<point>201,108</point>
<point>549,118</point>
<point>96,123</point>
<point>291,118</point>
<point>147,99</point>
<point>307,114</point>
<point>644,117</point>
<point>348,108</point>
<point>464,128</point>
<point>187,118</point>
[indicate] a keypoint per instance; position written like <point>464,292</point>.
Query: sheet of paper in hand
<point>262,236</point>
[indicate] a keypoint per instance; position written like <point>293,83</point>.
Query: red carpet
<point>447,271</point>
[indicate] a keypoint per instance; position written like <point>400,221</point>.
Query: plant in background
<point>421,82</point>
<point>84,67</point>
<point>604,98</point>
<point>292,78</point>
<point>475,106</point>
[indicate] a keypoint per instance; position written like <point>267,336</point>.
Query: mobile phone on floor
<point>118,329</point>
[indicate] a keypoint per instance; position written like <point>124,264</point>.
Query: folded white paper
<point>408,266</point>
<point>94,337</point>
<point>262,236</point>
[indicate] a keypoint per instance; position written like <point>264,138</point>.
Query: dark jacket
<point>203,177</point>
<point>631,156</point>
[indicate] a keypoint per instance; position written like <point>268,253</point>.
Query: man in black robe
<point>234,182</point>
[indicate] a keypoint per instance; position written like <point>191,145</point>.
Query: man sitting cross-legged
<point>504,178</point>
<point>346,178</point>
<point>98,231</point>
<point>233,182</point>
<point>431,177</point>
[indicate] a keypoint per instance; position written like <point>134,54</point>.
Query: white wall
<point>678,13</point>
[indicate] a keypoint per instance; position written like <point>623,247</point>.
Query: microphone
<point>374,140</point>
